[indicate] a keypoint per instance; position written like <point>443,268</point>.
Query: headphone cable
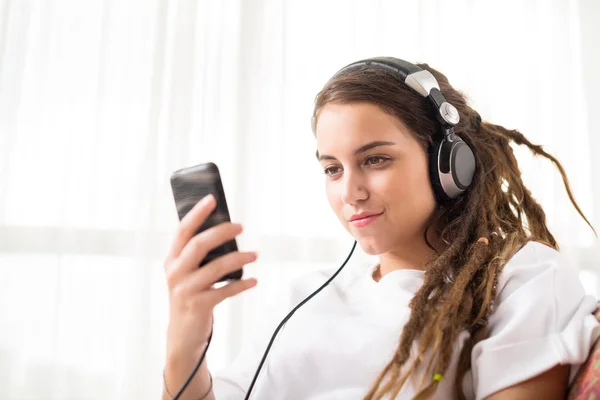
<point>282,323</point>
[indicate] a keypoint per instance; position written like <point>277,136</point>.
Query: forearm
<point>176,373</point>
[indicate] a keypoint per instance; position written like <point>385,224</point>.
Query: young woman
<point>470,297</point>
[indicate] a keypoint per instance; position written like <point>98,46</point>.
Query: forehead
<point>341,125</point>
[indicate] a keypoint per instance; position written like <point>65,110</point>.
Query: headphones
<point>451,160</point>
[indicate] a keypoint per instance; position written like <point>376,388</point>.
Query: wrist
<point>206,396</point>
<point>178,368</point>
<point>184,355</point>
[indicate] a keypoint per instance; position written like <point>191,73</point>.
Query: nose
<point>353,188</point>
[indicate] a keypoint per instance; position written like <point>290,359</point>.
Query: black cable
<point>189,379</point>
<point>288,317</point>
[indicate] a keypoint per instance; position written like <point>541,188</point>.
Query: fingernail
<point>208,198</point>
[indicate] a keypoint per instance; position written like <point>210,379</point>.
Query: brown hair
<point>460,283</point>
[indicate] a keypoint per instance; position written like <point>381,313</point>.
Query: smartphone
<point>190,185</point>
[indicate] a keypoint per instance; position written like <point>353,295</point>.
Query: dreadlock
<point>480,230</point>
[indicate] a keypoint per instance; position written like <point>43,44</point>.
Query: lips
<point>363,219</point>
<point>362,215</point>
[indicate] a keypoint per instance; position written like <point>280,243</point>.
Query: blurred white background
<point>101,100</point>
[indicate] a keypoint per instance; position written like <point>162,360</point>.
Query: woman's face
<point>374,167</point>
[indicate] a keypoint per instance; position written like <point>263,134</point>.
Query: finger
<point>198,247</point>
<point>190,223</point>
<point>210,273</point>
<point>217,295</point>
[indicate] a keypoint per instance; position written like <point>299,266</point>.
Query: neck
<point>414,256</point>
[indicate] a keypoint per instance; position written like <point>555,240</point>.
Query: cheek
<point>422,201</point>
<point>333,197</point>
<point>410,195</point>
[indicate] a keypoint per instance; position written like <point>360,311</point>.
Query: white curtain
<point>101,100</point>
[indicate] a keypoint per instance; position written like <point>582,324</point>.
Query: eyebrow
<point>361,149</point>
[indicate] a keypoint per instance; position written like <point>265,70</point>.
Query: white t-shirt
<point>335,345</point>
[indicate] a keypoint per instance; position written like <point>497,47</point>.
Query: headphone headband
<point>420,80</point>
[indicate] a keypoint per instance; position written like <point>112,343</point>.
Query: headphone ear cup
<point>434,175</point>
<point>451,168</point>
<point>462,165</point>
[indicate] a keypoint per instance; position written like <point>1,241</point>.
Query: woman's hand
<point>192,297</point>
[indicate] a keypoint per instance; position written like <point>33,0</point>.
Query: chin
<point>372,246</point>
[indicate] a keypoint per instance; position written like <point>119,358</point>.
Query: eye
<point>331,171</point>
<point>375,160</point>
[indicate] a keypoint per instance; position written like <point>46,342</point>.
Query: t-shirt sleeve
<point>543,318</point>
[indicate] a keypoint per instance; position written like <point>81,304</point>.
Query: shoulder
<point>536,267</point>
<point>534,256</point>
<point>539,280</point>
